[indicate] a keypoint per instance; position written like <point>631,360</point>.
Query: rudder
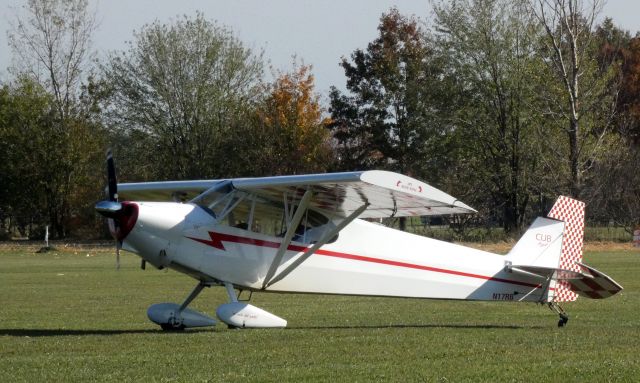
<point>571,212</point>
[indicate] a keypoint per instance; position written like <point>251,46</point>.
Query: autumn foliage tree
<point>292,127</point>
<point>629,97</point>
<point>615,187</point>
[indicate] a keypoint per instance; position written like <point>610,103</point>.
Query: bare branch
<point>50,40</point>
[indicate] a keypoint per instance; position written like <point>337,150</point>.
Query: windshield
<point>213,198</point>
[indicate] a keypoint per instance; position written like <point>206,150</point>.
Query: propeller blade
<point>112,208</point>
<point>112,182</point>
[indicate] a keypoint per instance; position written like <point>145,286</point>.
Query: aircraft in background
<point>307,234</point>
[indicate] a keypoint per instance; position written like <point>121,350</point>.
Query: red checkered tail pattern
<point>580,279</point>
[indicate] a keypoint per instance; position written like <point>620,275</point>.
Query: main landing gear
<point>236,314</point>
<point>564,317</point>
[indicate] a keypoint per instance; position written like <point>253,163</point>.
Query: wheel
<point>563,320</point>
<point>170,327</point>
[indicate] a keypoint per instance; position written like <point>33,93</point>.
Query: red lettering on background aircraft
<point>409,186</point>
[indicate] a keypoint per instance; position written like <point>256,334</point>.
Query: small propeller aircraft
<point>307,234</point>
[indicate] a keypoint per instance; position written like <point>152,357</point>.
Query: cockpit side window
<point>257,214</point>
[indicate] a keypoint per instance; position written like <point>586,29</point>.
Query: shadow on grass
<point>36,333</point>
<point>401,326</point>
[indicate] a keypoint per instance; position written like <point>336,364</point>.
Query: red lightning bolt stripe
<point>217,239</point>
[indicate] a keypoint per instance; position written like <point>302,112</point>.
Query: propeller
<point>112,185</point>
<point>121,216</point>
<point>111,208</point>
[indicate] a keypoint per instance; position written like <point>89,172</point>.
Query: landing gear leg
<point>175,321</point>
<point>564,317</point>
<point>233,298</point>
<point>231,292</point>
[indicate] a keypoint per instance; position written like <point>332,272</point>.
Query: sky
<point>319,32</point>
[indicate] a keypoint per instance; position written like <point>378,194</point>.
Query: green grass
<point>69,317</point>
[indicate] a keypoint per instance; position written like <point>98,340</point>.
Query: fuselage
<point>365,259</point>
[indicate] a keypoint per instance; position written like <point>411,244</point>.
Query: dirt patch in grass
<point>59,246</point>
<point>610,246</point>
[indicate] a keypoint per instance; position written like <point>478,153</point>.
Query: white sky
<point>317,31</point>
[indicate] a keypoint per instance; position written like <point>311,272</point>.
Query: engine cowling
<point>244,315</point>
<point>166,315</point>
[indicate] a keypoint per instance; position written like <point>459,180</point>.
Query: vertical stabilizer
<point>540,245</point>
<point>572,213</point>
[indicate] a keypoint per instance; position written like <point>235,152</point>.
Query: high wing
<point>386,194</point>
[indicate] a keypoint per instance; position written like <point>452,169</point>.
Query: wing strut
<point>291,231</point>
<point>325,238</point>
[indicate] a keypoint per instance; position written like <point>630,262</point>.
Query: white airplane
<point>306,234</point>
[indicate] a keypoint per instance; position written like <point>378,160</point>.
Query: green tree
<point>31,175</point>
<point>25,118</point>
<point>389,117</point>
<point>50,40</point>
<point>491,49</point>
<point>174,96</point>
<point>613,189</point>
<point>579,95</point>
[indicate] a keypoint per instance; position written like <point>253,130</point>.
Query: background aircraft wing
<point>339,194</point>
<point>179,191</point>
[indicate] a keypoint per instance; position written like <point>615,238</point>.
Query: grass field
<point>69,316</point>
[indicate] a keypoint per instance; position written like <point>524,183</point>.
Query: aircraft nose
<point>122,217</point>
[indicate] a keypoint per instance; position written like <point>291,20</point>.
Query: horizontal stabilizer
<point>589,283</point>
<point>595,284</point>
<point>546,272</point>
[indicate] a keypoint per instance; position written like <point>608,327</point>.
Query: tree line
<point>505,105</point>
